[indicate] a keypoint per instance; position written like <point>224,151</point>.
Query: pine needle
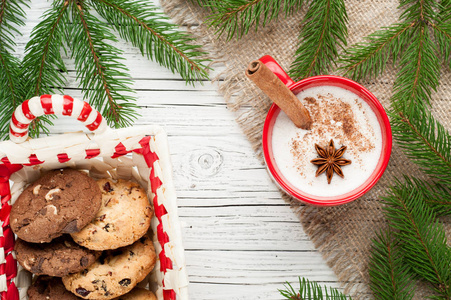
<point>390,277</point>
<point>422,237</point>
<point>412,206</point>
<point>237,17</point>
<point>10,93</point>
<point>442,31</point>
<point>11,18</point>
<point>410,45</point>
<point>103,77</point>
<point>310,290</point>
<point>436,195</point>
<point>419,74</point>
<point>425,141</point>
<point>418,10</point>
<point>139,23</point>
<point>369,59</point>
<point>43,66</point>
<point>324,32</point>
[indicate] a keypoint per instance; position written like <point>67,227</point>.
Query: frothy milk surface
<point>337,114</point>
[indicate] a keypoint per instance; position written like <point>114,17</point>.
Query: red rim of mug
<point>322,80</point>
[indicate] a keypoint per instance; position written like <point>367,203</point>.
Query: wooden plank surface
<point>242,240</point>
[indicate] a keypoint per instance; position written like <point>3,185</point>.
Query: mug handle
<point>49,105</point>
<point>272,64</point>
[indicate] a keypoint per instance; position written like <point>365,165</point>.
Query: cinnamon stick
<point>279,93</point>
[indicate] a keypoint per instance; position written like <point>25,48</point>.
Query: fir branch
<point>43,65</point>
<point>368,59</point>
<point>138,22</point>
<point>412,206</point>
<point>10,92</point>
<point>444,11</point>
<point>425,141</point>
<point>11,17</point>
<point>324,31</point>
<point>442,31</point>
<point>419,74</point>
<point>409,42</point>
<point>312,291</point>
<point>103,77</point>
<point>418,10</point>
<point>421,236</point>
<point>237,17</point>
<point>437,196</point>
<point>390,278</point>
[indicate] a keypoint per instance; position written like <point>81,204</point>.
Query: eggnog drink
<point>337,114</point>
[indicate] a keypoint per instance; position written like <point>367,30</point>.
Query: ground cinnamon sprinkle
<point>332,119</point>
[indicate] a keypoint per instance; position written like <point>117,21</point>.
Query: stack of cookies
<point>84,239</point>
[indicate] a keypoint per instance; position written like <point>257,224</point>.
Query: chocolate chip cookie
<point>61,201</point>
<point>57,258</point>
<point>123,218</point>
<point>49,288</point>
<point>138,294</point>
<point>115,272</point>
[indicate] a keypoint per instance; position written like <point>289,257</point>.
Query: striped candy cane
<point>53,104</point>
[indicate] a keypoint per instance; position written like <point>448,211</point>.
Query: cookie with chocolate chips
<point>138,294</point>
<point>57,258</point>
<point>61,201</point>
<point>123,218</point>
<point>115,272</point>
<point>49,288</point>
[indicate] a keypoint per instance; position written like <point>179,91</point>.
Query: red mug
<point>315,81</point>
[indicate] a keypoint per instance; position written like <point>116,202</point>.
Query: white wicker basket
<point>138,153</point>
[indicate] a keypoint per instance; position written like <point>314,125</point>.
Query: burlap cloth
<point>342,234</point>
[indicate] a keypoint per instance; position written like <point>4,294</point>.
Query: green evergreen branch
<point>390,277</point>
<point>237,17</point>
<point>442,30</point>
<point>368,59</point>
<point>43,66</point>
<point>409,41</point>
<point>43,62</point>
<point>444,14</point>
<point>138,22</point>
<point>425,141</point>
<point>418,10</point>
<point>412,206</point>
<point>9,66</point>
<point>437,196</point>
<point>103,77</point>
<point>10,92</point>
<point>443,36</point>
<point>11,17</point>
<point>312,291</point>
<point>419,74</point>
<point>324,31</point>
<point>421,236</point>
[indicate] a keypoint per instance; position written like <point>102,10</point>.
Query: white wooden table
<point>242,240</point>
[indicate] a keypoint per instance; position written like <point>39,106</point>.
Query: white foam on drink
<point>293,147</point>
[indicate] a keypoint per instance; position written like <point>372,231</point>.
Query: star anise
<point>330,160</point>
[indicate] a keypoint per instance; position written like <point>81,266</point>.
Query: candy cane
<point>53,104</point>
